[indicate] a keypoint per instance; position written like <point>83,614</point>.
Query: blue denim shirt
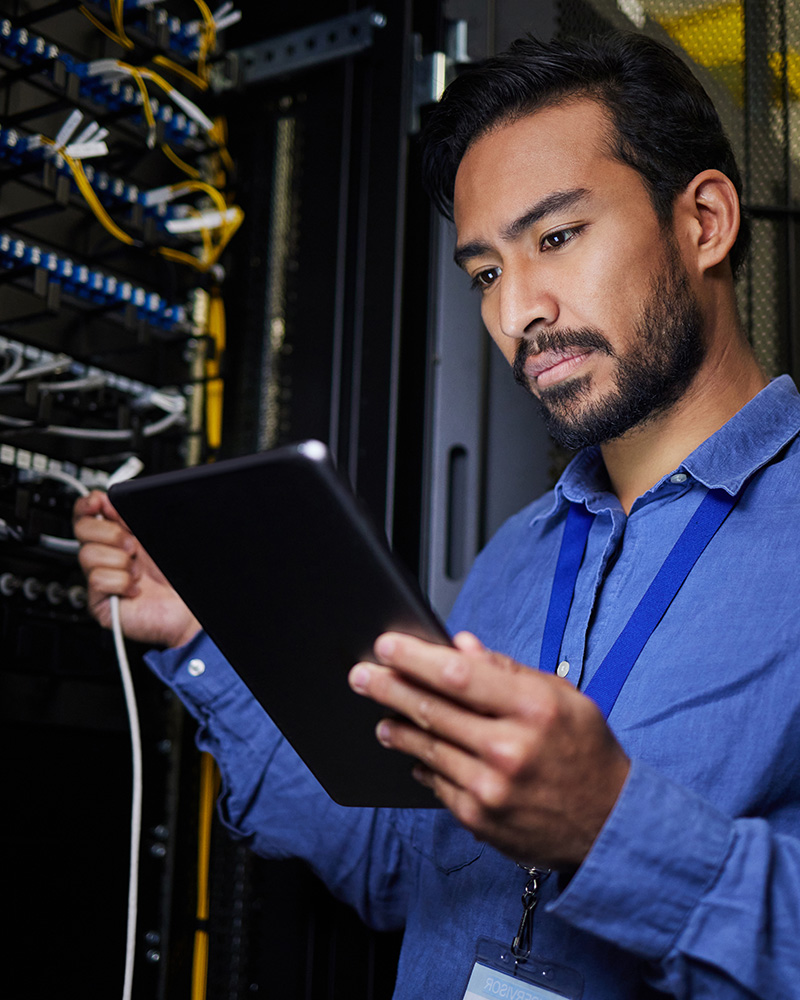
<point>693,886</point>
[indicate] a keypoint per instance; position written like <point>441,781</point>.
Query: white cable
<point>159,426</point>
<point>69,480</point>
<point>136,800</point>
<point>57,544</point>
<point>9,531</point>
<point>84,433</point>
<point>130,467</point>
<point>203,220</point>
<point>85,150</point>
<point>88,433</point>
<point>92,433</point>
<point>169,402</point>
<point>52,366</point>
<point>225,22</point>
<point>87,134</point>
<point>75,384</point>
<point>67,130</point>
<point>191,109</point>
<point>111,69</point>
<point>126,471</point>
<point>16,364</point>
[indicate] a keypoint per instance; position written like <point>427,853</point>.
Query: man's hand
<point>519,757</point>
<point>115,563</point>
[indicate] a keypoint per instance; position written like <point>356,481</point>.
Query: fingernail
<point>359,678</point>
<point>384,733</point>
<point>384,646</point>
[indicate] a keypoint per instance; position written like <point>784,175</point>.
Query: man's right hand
<point>115,563</point>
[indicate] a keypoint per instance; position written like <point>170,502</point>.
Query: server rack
<point>116,205</point>
<point>114,191</point>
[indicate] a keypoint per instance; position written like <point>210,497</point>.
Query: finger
<point>97,505</point>
<point>93,555</point>
<point>428,712</point>
<point>486,681</point>
<point>485,822</point>
<point>440,757</point>
<point>463,783</point>
<point>459,800</point>
<point>105,581</point>
<point>87,506</point>
<point>455,741</point>
<point>101,531</point>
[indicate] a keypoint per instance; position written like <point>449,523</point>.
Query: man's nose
<point>526,304</point>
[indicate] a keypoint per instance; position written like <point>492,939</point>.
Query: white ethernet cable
<point>127,470</point>
<point>91,433</point>
<point>17,361</point>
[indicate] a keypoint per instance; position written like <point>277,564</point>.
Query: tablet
<point>291,579</point>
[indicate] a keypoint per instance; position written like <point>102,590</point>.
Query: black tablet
<point>280,563</point>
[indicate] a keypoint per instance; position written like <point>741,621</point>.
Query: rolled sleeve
<point>271,800</point>
<point>659,852</point>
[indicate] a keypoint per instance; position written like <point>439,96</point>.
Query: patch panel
<point>101,342</point>
<point>91,284</point>
<point>25,47</point>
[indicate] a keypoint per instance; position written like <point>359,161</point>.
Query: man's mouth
<point>550,367</point>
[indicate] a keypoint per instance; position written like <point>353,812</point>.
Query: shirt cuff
<point>660,850</point>
<point>214,693</point>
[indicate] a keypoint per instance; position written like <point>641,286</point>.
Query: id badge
<point>497,975</point>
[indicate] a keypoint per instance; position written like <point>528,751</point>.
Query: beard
<point>650,377</point>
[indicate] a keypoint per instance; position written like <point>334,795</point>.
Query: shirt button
<point>679,477</point>
<point>563,668</point>
<point>196,667</point>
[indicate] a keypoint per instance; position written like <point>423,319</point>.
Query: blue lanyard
<point>612,673</point>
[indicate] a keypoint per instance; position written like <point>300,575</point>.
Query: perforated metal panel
<point>747,54</point>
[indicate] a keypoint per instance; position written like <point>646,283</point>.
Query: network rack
<point>116,206</point>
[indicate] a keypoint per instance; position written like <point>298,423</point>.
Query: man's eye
<point>487,277</point>
<point>556,240</point>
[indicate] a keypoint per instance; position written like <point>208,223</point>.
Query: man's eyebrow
<point>558,201</point>
<point>466,251</point>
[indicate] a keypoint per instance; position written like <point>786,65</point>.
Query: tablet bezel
<point>293,582</point>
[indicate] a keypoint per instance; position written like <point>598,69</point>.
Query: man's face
<point>582,289</point>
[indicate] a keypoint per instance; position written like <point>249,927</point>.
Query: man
<point>596,204</point>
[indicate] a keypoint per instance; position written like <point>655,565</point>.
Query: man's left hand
<point>519,757</point>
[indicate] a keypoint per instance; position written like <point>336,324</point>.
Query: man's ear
<point>707,217</point>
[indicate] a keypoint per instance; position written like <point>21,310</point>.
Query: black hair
<point>665,125</point>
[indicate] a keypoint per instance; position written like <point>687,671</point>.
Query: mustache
<point>557,340</point>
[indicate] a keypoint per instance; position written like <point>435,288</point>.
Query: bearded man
<point>640,789</point>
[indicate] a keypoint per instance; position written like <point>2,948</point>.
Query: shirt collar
<point>748,441</point>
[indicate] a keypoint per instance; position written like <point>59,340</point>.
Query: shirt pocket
<point>435,835</point>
